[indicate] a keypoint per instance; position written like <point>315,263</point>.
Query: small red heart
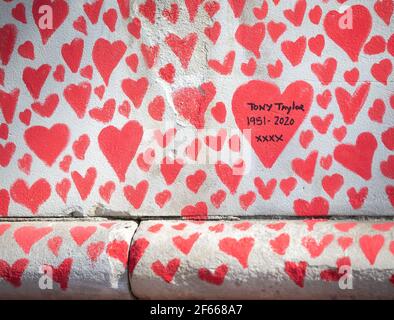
<point>162,198</point>
<point>296,272</point>
<point>239,249</point>
<point>27,237</point>
<point>156,108</point>
<point>317,207</point>
<point>110,17</point>
<point>85,183</point>
<point>167,272</point>
<point>358,158</point>
<point>62,189</point>
<point>72,53</point>
<point>288,185</point>
<point>92,10</point>
<point>280,243</point>
<point>305,168</point>
<point>186,245</point>
<point>106,191</point>
<point>80,146</point>
<point>26,50</point>
<point>31,197</point>
<point>24,163</point>
<point>376,112</point>
<point>19,13</point>
<point>119,250</point>
<point>82,234</point>
<point>247,199</point>
<point>167,73</point>
<point>218,198</point>
<point>182,47</point>
<point>294,50</point>
<point>199,211</point>
<point>251,37</point>
<point>332,184</point>
<point>136,195</point>
<point>216,277</point>
<point>356,199</point>
<point>195,181</point>
<point>213,32</point>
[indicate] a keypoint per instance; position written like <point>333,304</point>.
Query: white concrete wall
<point>116,75</point>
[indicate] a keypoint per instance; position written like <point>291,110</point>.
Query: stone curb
<point>263,260</point>
<point>175,259</point>
<point>65,260</point>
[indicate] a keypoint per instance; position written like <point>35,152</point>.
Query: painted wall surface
<point>94,109</point>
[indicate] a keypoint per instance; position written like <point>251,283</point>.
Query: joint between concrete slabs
<point>133,296</point>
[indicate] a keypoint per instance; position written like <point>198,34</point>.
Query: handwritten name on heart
<point>271,128</point>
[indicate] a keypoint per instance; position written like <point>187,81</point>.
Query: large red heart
<point>58,12</point>
<point>120,146</point>
<point>271,129</point>
<point>350,38</point>
<point>46,143</point>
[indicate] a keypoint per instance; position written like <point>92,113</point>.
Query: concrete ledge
<point>177,259</point>
<point>65,260</point>
<point>263,260</point>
